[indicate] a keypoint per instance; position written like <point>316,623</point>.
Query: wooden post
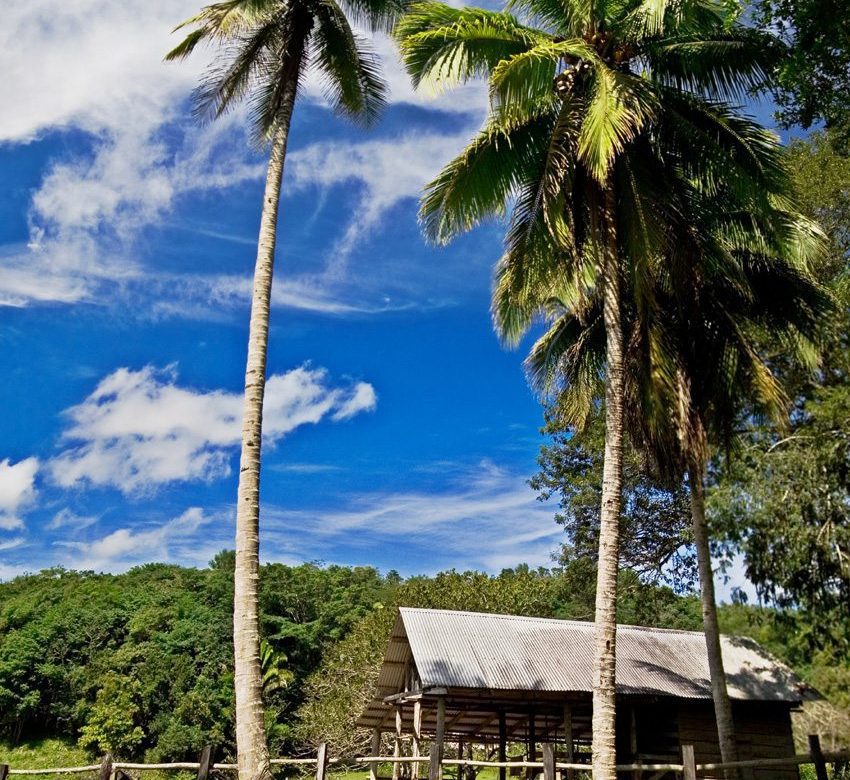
<point>105,772</point>
<point>568,738</point>
<point>503,744</point>
<point>435,768</point>
<point>460,772</point>
<point>205,763</point>
<point>817,757</point>
<point>4,771</point>
<point>397,743</point>
<point>322,761</point>
<point>376,751</point>
<point>633,741</point>
<point>532,742</point>
<point>417,735</point>
<point>548,761</point>
<point>689,766</point>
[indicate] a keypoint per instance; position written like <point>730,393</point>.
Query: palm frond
<point>351,74</point>
<point>619,106</point>
<point>443,45</point>
<point>729,65</point>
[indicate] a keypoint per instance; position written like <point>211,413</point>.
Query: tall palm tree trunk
<point>251,746</point>
<point>605,658</point>
<point>722,705</point>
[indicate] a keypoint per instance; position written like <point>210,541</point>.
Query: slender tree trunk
<point>605,656</point>
<point>722,705</point>
<point>251,745</point>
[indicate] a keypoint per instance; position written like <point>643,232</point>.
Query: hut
<point>505,680</point>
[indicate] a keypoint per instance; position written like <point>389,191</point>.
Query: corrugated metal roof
<point>506,652</point>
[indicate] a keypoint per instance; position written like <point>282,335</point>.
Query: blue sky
<point>399,433</point>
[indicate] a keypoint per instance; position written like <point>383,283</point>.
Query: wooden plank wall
<point>763,730</point>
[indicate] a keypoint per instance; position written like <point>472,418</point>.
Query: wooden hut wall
<point>763,730</point>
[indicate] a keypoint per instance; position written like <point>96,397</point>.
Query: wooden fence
<point>108,769</point>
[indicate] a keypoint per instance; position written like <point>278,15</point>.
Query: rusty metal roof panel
<point>507,652</point>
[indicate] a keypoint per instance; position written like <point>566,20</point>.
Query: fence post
<point>4,771</point>
<point>689,766</point>
<point>548,750</point>
<point>435,765</point>
<point>205,762</point>
<point>817,757</point>
<point>376,751</point>
<point>105,767</point>
<point>322,761</point>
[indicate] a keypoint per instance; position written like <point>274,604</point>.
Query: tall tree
<point>812,84</point>
<point>591,104</point>
<point>783,504</point>
<point>266,48</point>
<point>699,358</point>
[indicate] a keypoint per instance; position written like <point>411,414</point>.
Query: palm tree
<point>697,358</point>
<point>591,103</point>
<point>267,47</point>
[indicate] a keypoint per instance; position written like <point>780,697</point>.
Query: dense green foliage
<point>141,663</point>
<point>813,78</point>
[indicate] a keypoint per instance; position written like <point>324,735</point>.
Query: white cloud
<point>140,429</point>
<point>17,490</point>
<point>482,518</point>
<point>174,540</point>
<point>388,170</point>
<point>97,66</point>
<point>65,518</point>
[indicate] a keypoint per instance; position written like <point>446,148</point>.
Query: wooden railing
<point>108,769</point>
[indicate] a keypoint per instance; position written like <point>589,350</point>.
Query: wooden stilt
<point>548,750</point>
<point>532,742</point>
<point>417,735</point>
<point>435,769</point>
<point>569,755</point>
<point>503,745</point>
<point>633,741</point>
<point>460,756</point>
<point>397,743</point>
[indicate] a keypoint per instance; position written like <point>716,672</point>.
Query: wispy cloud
<point>176,540</point>
<point>97,66</point>
<point>68,520</point>
<point>140,429</point>
<point>485,517</point>
<point>17,490</point>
